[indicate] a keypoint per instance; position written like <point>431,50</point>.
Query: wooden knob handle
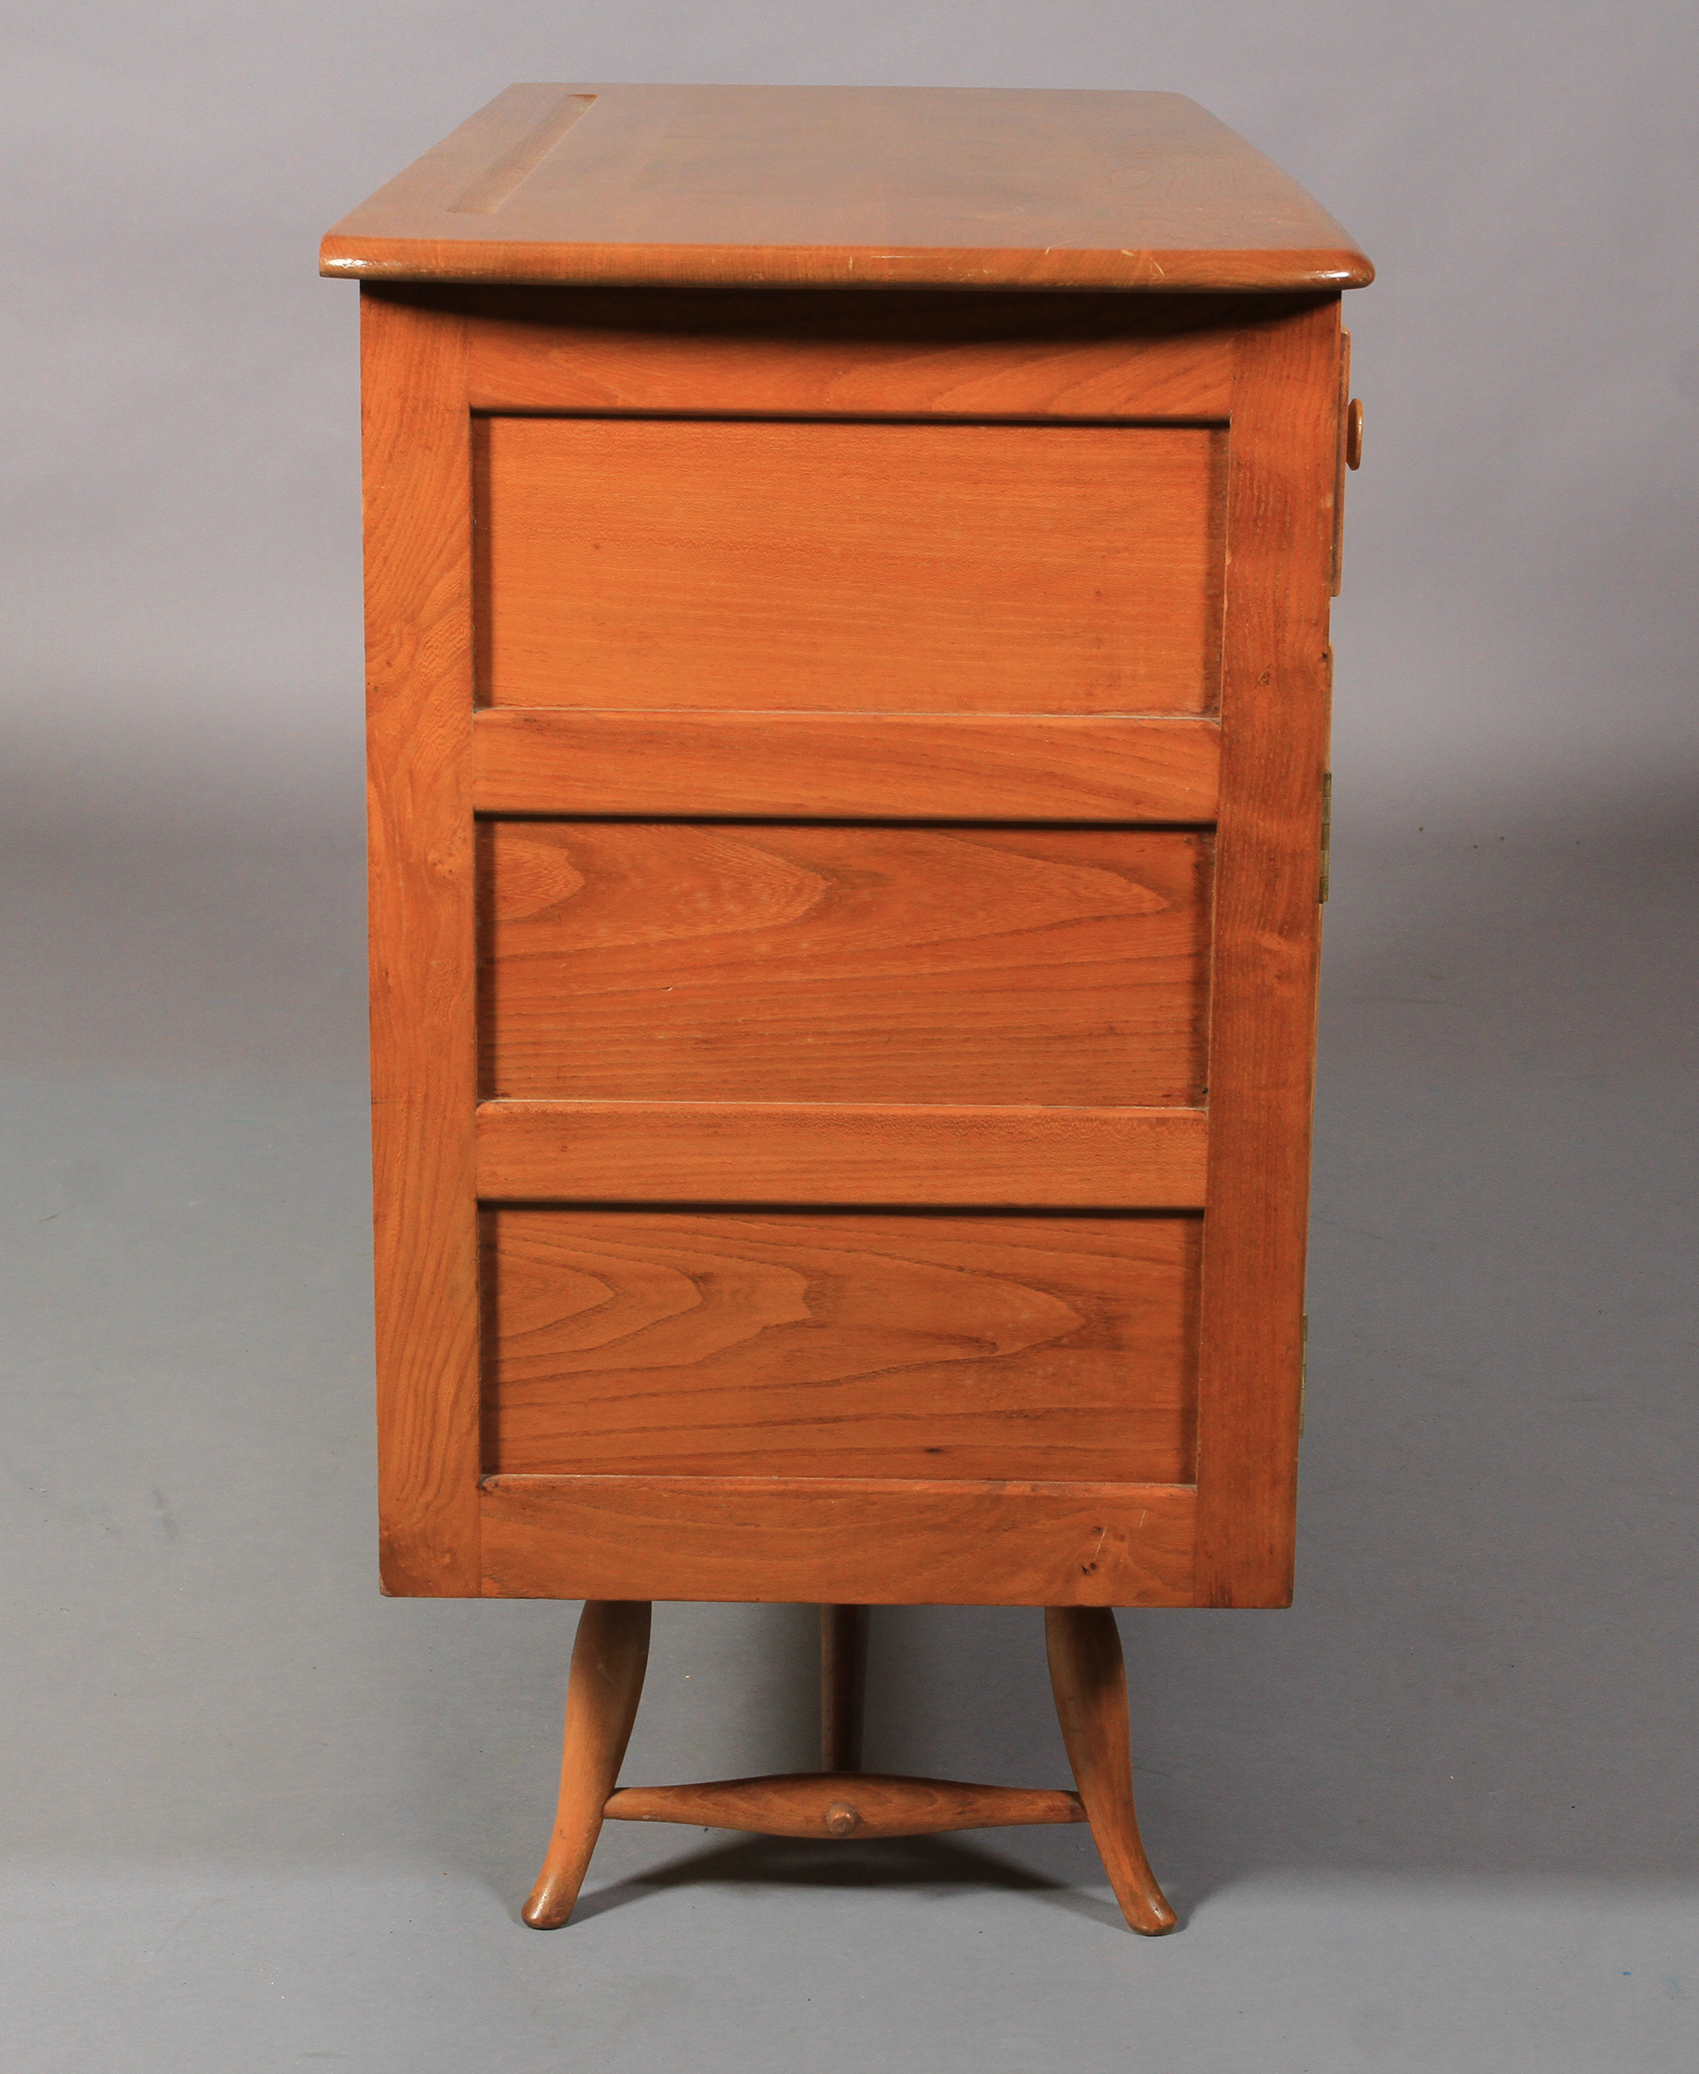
<point>842,1819</point>
<point>1354,434</point>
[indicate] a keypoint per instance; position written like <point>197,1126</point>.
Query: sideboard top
<point>842,187</point>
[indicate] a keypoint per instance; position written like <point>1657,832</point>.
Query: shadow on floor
<point>928,1864</point>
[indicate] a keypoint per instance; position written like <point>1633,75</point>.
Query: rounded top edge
<point>523,263</point>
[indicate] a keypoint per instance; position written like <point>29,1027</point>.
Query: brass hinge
<point>1303,1370</point>
<point>1326,833</point>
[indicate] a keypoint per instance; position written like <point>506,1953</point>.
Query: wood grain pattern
<point>992,1155</point>
<point>849,766</point>
<point>892,567</point>
<point>854,186</point>
<point>666,961</point>
<point>609,1656</point>
<point>841,1541</point>
<point>844,1805</point>
<point>540,117</point>
<point>1088,1677</point>
<point>823,354</point>
<point>419,679</point>
<point>1268,932</point>
<point>840,1344</point>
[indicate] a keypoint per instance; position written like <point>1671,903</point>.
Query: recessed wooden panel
<point>927,568</point>
<point>743,962</point>
<point>839,1344</point>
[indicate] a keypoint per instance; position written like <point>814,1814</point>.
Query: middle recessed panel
<point>751,962</point>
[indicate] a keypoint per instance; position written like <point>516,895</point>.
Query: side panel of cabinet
<point>788,1418</point>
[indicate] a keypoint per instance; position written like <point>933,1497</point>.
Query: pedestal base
<point>1087,1675</point>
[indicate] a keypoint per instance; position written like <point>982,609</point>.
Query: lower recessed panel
<point>839,1343</point>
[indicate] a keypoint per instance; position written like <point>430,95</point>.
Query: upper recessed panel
<point>899,568</point>
<point>848,187</point>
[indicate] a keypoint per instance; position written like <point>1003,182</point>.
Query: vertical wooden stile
<point>1267,937</point>
<point>419,707</point>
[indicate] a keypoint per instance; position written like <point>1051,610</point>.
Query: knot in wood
<point>841,1819</point>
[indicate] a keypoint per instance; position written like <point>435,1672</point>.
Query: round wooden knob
<point>1354,434</point>
<point>841,1819</point>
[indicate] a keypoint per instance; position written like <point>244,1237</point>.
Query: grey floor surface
<point>1441,1815</point>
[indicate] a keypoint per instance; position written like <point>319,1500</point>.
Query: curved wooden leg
<point>843,1686</point>
<point>1089,1679</point>
<point>609,1658</point>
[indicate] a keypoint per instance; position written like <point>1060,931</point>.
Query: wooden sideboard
<point>847,576</point>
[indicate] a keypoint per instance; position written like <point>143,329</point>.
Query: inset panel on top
<point>821,566</point>
<point>832,1344</point>
<point>751,962</point>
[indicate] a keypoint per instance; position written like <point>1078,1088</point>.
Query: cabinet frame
<point>1266,368</point>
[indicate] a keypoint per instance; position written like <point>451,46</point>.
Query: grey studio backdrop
<point>1441,1813</point>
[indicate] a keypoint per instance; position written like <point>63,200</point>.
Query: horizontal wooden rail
<point>844,1804</point>
<point>948,356</point>
<point>1005,1155</point>
<point>825,766</point>
<point>853,1541</point>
